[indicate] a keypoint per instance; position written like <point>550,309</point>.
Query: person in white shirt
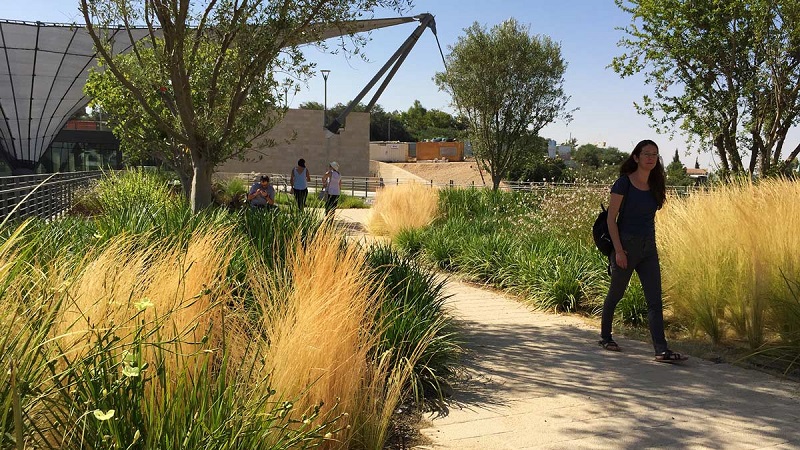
<point>332,183</point>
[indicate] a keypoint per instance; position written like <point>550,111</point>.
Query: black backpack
<point>602,238</point>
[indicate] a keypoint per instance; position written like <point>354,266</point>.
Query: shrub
<point>410,241</point>
<point>632,309</point>
<point>570,281</point>
<point>489,258</point>
<point>199,330</point>
<point>231,193</point>
<point>401,207</point>
<point>130,352</point>
<point>412,315</point>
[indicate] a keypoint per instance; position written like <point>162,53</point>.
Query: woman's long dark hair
<point>657,178</point>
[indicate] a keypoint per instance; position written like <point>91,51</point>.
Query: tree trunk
<point>720,146</point>
<point>201,184</point>
<point>793,155</point>
<point>496,181</point>
<point>186,183</point>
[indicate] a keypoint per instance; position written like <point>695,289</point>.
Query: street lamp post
<point>325,74</point>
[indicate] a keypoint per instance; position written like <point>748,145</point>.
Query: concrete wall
<point>300,135</point>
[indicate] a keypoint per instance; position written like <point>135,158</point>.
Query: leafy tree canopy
<point>205,75</point>
<point>508,84</point>
<point>723,72</point>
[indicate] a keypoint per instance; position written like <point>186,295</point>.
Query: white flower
<point>143,304</point>
<point>103,416</point>
<point>130,371</point>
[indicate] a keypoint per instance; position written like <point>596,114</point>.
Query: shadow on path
<point>531,373</point>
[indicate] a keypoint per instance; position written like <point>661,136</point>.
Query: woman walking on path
<point>332,183</point>
<point>639,192</point>
<point>299,180</point>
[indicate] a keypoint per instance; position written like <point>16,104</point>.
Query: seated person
<point>262,194</point>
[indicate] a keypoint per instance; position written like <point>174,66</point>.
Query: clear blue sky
<point>584,28</point>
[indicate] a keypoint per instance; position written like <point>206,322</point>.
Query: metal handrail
<point>365,187</point>
<point>48,195</point>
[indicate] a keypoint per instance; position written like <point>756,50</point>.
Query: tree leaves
<point>724,73</point>
<point>508,84</point>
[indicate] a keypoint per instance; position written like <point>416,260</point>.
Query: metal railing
<point>41,195</point>
<point>365,187</point>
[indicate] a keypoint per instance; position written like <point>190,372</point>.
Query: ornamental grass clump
<point>730,256</point>
<point>402,207</point>
<point>316,319</point>
<point>135,346</point>
<point>150,327</point>
<point>414,322</point>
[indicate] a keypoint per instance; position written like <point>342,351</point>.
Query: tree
<point>588,155</point>
<point>139,136</point>
<point>414,125</point>
<point>508,84</point>
<point>596,164</point>
<point>387,126</point>
<point>212,66</point>
<point>537,166</point>
<point>726,71</point>
<point>676,172</point>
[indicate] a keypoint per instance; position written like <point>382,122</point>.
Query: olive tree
<point>726,73</point>
<point>212,75</point>
<point>508,84</point>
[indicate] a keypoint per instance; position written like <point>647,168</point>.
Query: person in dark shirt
<point>642,185</point>
<point>262,194</point>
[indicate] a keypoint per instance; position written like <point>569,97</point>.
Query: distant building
<point>558,151</point>
<point>698,175</point>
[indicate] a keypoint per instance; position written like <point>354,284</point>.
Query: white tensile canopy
<point>44,67</point>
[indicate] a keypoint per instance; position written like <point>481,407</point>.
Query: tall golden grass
<point>309,340</point>
<point>181,291</point>
<point>727,255</point>
<point>316,320</point>
<point>321,334</point>
<point>406,206</point>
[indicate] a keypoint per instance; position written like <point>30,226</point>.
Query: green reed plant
<point>120,190</point>
<point>569,280</point>
<point>231,193</point>
<point>490,258</point>
<point>632,309</point>
<point>413,319</point>
<point>410,241</point>
<point>443,246</point>
<point>271,233</point>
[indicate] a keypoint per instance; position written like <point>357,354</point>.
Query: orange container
<point>451,151</point>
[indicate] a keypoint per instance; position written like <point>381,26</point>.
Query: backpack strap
<point>624,198</point>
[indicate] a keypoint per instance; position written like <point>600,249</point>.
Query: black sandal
<point>670,357</point>
<point>609,345</point>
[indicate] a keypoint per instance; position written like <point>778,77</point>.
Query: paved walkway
<point>537,380</point>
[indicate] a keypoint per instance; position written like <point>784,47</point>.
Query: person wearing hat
<point>262,194</point>
<point>299,181</point>
<point>332,184</point>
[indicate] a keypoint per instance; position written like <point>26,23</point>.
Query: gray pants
<point>643,258</point>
